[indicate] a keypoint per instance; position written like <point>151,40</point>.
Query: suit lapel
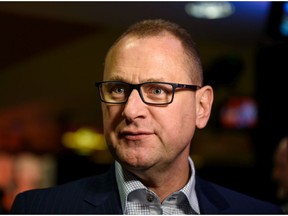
<point>104,195</point>
<point>210,201</point>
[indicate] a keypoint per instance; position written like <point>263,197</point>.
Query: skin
<point>280,169</point>
<point>153,142</point>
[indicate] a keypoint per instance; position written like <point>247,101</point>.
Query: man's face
<point>142,136</point>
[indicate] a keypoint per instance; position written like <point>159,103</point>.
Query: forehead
<point>164,42</point>
<point>152,55</point>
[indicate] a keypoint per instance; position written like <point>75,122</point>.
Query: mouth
<point>135,135</point>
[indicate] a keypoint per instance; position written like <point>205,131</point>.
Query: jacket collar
<point>209,199</point>
<point>103,193</point>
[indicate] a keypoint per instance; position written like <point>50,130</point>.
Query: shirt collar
<point>127,183</point>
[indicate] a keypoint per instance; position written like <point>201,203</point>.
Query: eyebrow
<point>116,78</point>
<point>119,78</point>
<point>155,80</point>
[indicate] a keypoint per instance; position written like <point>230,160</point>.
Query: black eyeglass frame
<point>138,88</point>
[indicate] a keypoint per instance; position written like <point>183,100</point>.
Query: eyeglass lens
<point>155,93</point>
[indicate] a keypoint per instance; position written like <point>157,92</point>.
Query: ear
<point>204,101</point>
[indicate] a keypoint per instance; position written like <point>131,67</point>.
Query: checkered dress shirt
<point>136,199</point>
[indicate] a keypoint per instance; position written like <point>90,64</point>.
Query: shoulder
<point>230,201</point>
<point>68,189</point>
<point>67,198</point>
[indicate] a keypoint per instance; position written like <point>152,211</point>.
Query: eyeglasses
<point>154,93</point>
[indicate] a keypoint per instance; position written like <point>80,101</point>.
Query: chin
<point>136,164</point>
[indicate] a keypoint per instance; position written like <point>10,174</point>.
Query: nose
<point>134,107</point>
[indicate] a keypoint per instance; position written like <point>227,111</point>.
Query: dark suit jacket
<point>99,195</point>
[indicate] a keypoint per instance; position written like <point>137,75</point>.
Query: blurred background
<point>50,117</point>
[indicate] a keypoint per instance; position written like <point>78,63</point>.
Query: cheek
<point>177,124</point>
<point>186,125</point>
<point>184,114</point>
<point>111,117</point>
<point>187,119</point>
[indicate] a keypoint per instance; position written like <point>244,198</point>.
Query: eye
<point>157,91</point>
<point>118,90</point>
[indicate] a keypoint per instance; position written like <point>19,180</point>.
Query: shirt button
<point>149,198</point>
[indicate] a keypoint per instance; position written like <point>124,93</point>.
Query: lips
<point>134,135</point>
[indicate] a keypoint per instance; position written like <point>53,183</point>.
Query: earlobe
<point>204,101</point>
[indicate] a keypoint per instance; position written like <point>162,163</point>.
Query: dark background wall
<point>51,54</point>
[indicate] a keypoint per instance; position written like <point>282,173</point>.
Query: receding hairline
<point>160,27</point>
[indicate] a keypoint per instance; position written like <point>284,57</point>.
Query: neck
<point>167,179</point>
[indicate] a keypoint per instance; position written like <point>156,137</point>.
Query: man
<point>153,100</point>
<point>280,172</point>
